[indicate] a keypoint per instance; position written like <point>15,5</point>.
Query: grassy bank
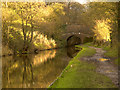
<point>81,74</point>
<point>112,53</point>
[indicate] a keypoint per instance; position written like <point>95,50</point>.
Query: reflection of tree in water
<point>17,69</point>
<point>44,56</point>
<point>28,70</point>
<point>7,67</point>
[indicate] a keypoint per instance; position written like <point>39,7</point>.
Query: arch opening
<point>73,40</point>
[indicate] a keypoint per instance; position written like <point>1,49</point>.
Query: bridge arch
<point>73,40</point>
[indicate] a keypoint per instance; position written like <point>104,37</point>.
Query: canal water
<point>35,70</point>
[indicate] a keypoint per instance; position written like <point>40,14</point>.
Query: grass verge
<point>111,52</point>
<point>81,74</point>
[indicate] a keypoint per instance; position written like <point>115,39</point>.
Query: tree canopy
<point>24,23</point>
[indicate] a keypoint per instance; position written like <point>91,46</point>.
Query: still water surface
<point>35,70</point>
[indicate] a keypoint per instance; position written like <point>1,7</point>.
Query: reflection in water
<point>34,71</point>
<point>44,56</point>
<point>72,51</point>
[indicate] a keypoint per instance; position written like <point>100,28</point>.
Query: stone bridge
<point>77,34</point>
<point>76,38</point>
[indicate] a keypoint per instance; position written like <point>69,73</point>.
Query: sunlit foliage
<point>21,21</point>
<point>103,11</point>
<point>102,30</point>
<point>41,41</point>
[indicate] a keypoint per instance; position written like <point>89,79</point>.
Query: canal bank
<point>82,74</point>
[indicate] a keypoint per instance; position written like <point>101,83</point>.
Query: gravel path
<point>103,65</point>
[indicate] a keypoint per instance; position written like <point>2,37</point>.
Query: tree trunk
<point>24,34</point>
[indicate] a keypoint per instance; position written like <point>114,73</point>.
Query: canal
<point>35,70</point>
